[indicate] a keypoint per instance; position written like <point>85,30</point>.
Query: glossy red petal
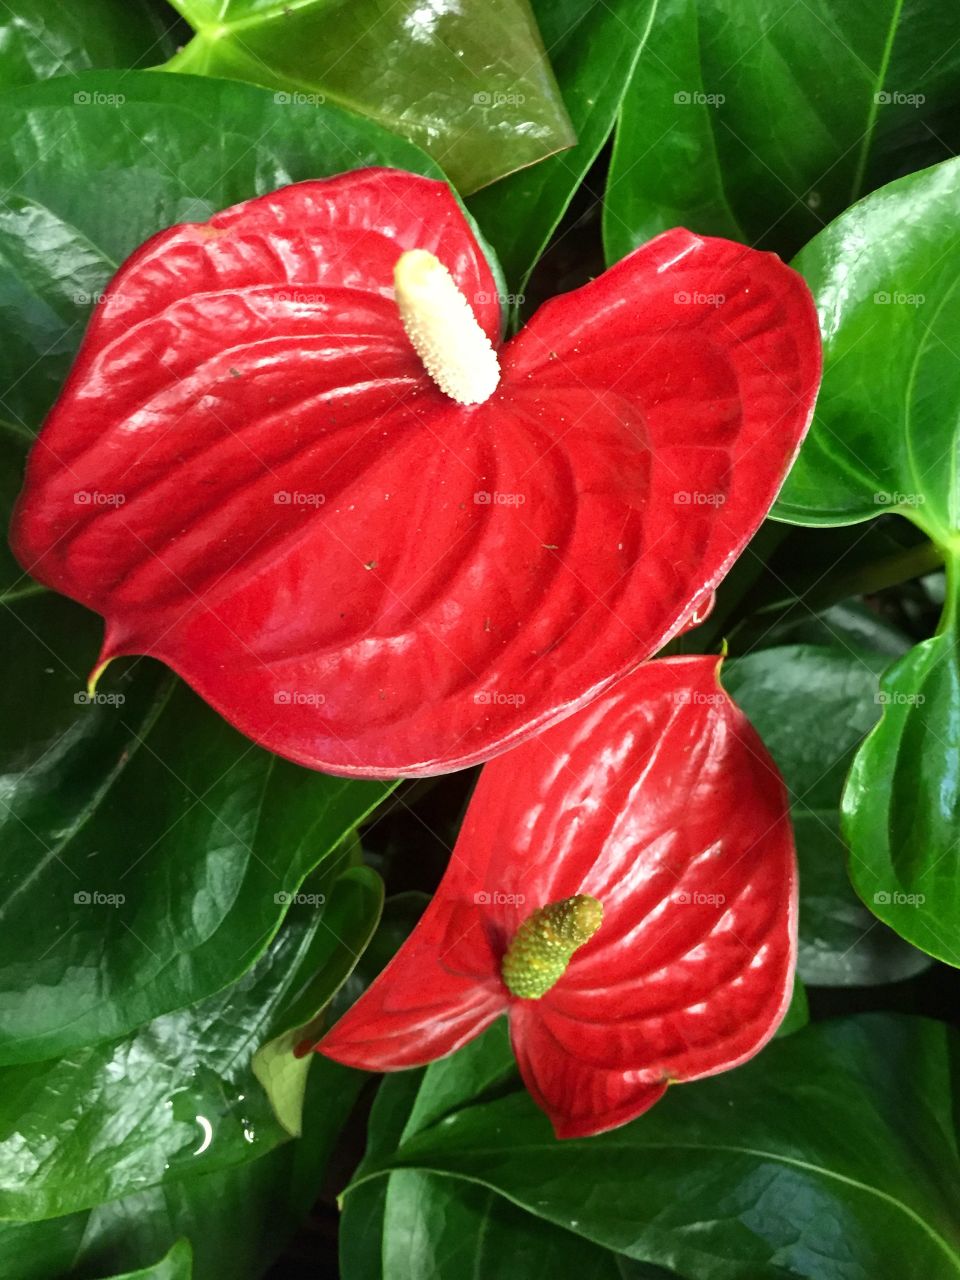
<point>439,991</point>
<point>660,800</point>
<point>593,1099</point>
<point>251,477</point>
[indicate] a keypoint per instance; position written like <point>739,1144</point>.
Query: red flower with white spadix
<point>624,889</point>
<point>377,539</point>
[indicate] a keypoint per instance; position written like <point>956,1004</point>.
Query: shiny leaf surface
<point>901,805</point>
<point>832,1156</point>
<point>885,437</point>
<point>422,605</point>
<point>44,38</point>
<point>730,128</point>
<point>813,707</point>
<point>237,1219</point>
<point>659,801</point>
<point>470,84</point>
<point>594,46</point>
<point>176,1096</point>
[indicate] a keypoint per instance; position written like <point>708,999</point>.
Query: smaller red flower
<point>624,888</point>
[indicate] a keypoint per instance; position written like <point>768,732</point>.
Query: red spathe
<point>253,479</point>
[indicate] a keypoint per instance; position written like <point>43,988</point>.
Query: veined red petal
<point>660,800</point>
<point>250,475</point>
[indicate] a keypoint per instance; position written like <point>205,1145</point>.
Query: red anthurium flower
<point>624,888</point>
<point>293,462</point>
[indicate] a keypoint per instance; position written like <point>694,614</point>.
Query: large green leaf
<point>762,121</point>
<point>901,805</point>
<point>469,83</point>
<point>44,38</point>
<point>418,1224</point>
<point>594,47</point>
<point>154,798</point>
<point>833,1155</point>
<point>179,1094</point>
<point>885,277</point>
<point>237,1219</point>
<point>813,706</point>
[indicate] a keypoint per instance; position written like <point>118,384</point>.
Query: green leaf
<point>901,805</point>
<point>885,279</point>
<point>594,47</point>
<point>730,128</point>
<point>238,1219</point>
<point>179,1094</point>
<point>829,1156</point>
<point>44,38</point>
<point>349,919</point>
<point>813,707</point>
<point>469,84</point>
<point>177,1265</point>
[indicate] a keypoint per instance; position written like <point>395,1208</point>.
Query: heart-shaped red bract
<point>251,476</point>
<point>660,800</point>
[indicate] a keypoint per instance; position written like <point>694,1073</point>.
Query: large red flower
<point>252,477</point>
<point>660,802</point>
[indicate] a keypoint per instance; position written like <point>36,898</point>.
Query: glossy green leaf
<point>885,277</point>
<point>470,84</point>
<point>44,38</point>
<point>177,1265</point>
<point>901,805</point>
<point>761,122</point>
<point>417,1224</point>
<point>884,437</point>
<point>813,707</point>
<point>833,1155</point>
<point>594,46</point>
<point>350,916</point>
<point>237,1219</point>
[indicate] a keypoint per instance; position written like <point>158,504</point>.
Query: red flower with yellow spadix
<point>295,462</point>
<point>624,889</point>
